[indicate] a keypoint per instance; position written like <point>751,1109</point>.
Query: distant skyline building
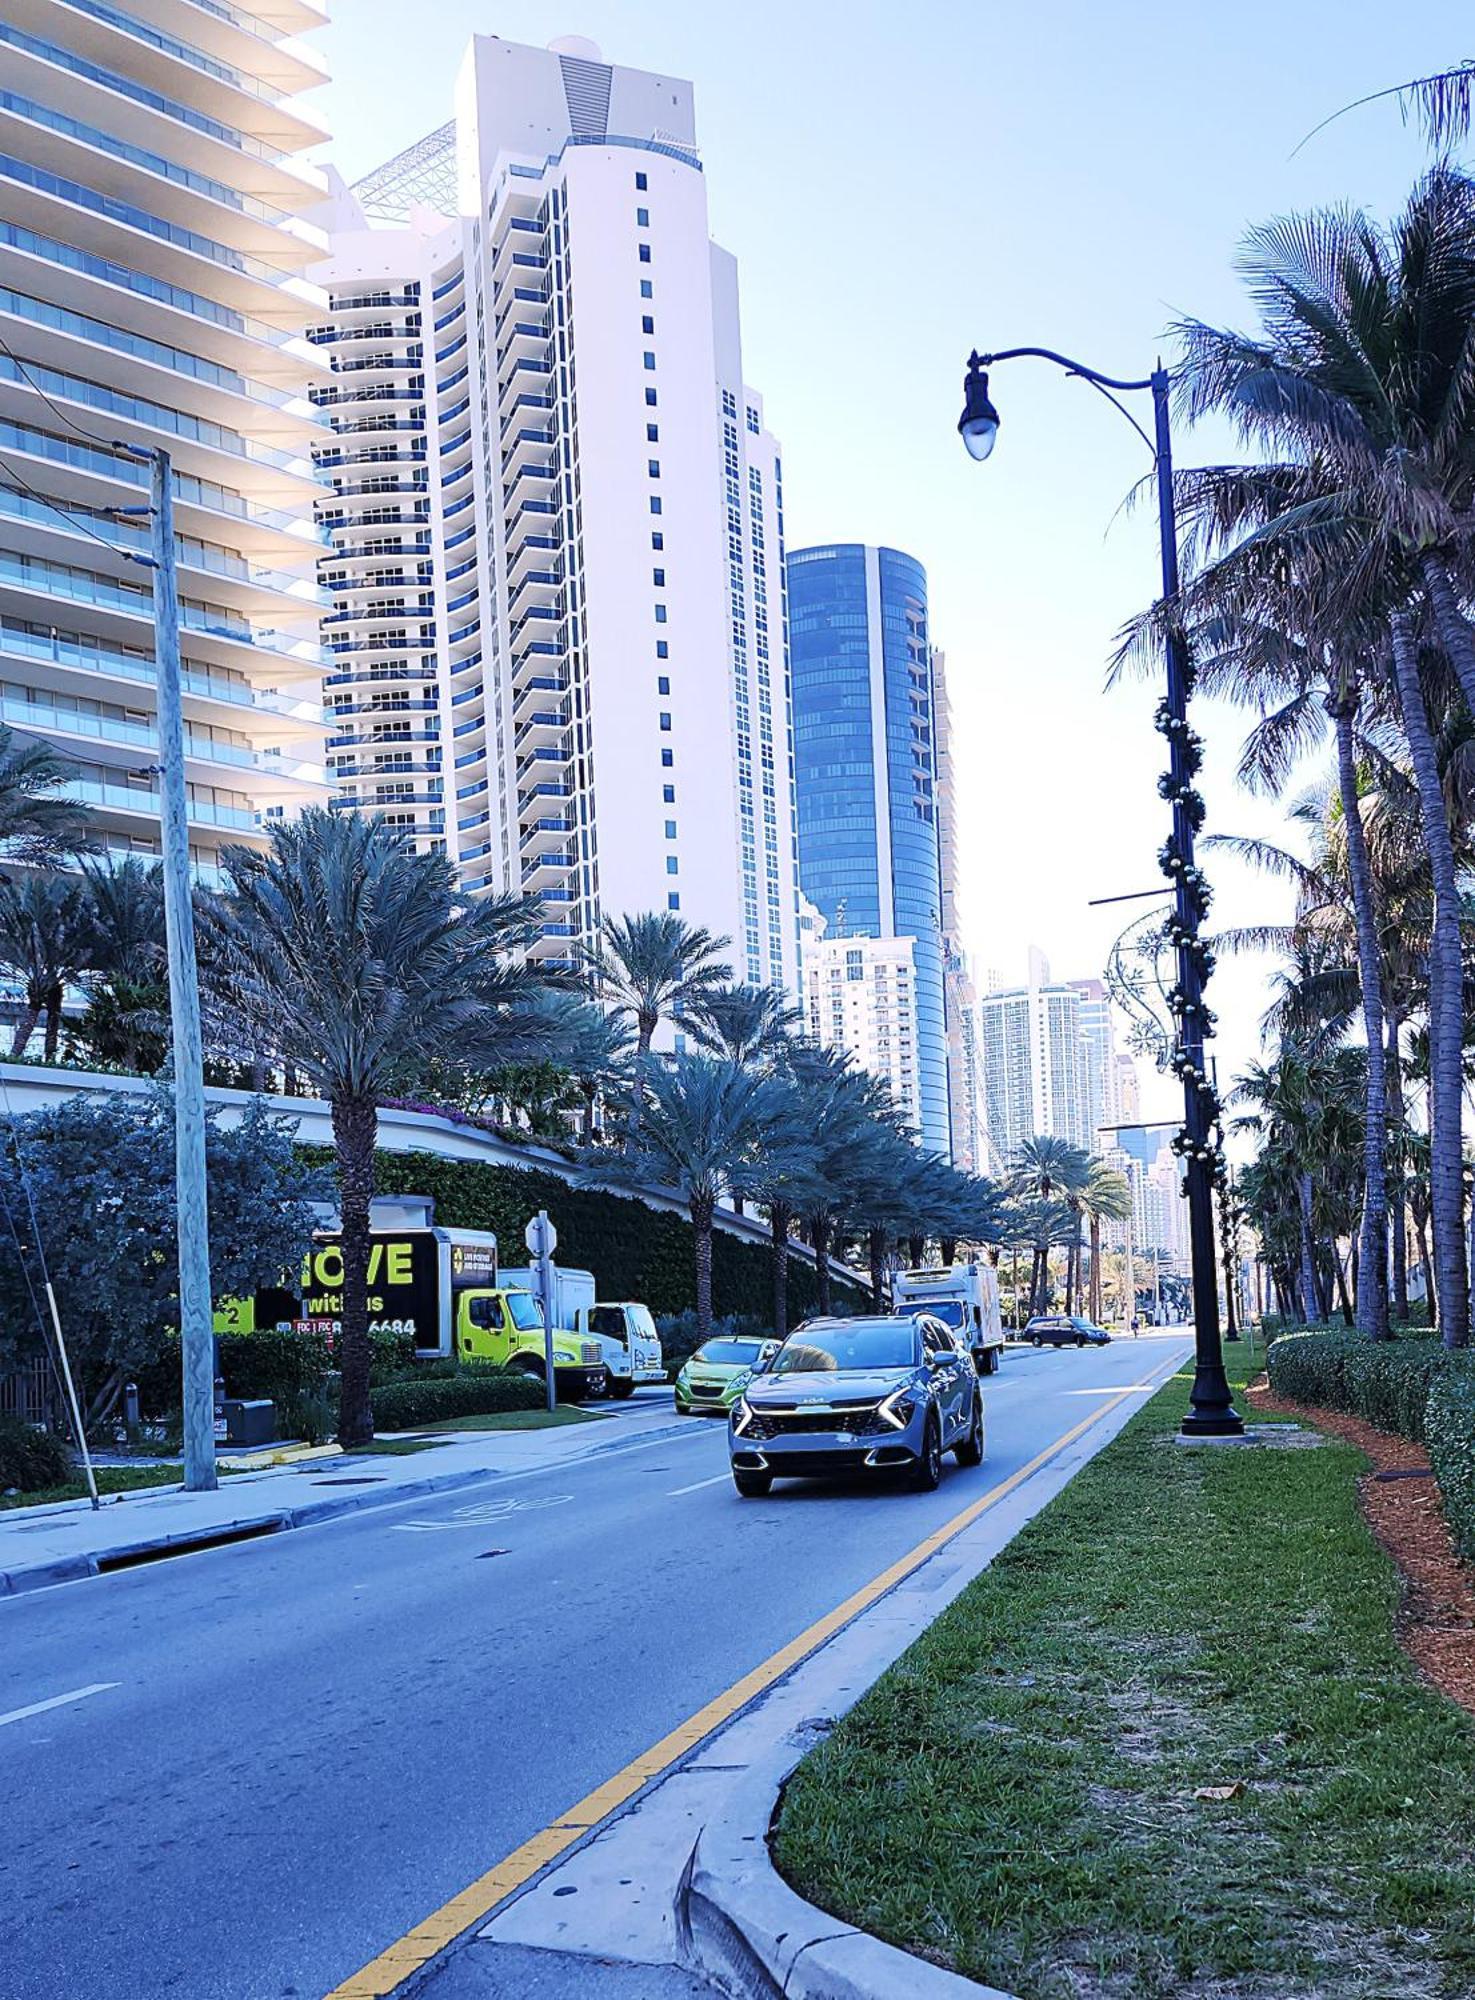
<point>558,631</point>
<point>1099,1056</point>
<point>154,253</point>
<point>866,775</point>
<point>1034,1075</point>
<point>959,994</point>
<point>861,996</point>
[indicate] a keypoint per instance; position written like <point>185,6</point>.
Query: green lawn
<point>515,1420</point>
<point>110,1479</point>
<point>1016,1798</point>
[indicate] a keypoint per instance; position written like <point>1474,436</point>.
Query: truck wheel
<point>529,1364</point>
<point>620,1388</point>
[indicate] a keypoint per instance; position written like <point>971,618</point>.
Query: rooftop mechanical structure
<point>423,175</point>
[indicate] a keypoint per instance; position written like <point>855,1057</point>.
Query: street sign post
<point>541,1239</point>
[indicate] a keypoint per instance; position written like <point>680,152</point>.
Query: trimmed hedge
<point>1387,1382</point>
<point>473,1392</point>
<point>31,1460</point>
<point>635,1252</point>
<point>1449,1432</point>
<point>1418,1389</point>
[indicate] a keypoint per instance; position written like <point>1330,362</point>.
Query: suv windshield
<point>950,1311</point>
<point>729,1353</point>
<point>857,1344</point>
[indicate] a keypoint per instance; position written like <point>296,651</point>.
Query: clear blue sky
<point>902,182</point>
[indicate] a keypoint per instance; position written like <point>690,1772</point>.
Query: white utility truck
<point>966,1296</point>
<point>625,1331</point>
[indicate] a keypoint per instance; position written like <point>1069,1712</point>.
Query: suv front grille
<point>866,1422</point>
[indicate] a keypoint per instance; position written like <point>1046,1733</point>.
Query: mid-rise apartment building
<point>867,776</point>
<point>153,259</point>
<point>557,636</point>
<point>861,996</point>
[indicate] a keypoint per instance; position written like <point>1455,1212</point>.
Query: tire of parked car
<point>970,1451</point>
<point>927,1472</point>
<point>753,1485</point>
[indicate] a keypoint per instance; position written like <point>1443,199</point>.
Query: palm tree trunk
<point>1446,1082</point>
<point>53,1023</point>
<point>701,1229</point>
<point>1422,1238</point>
<point>1348,1316</point>
<point>876,1242</point>
<point>1095,1305</point>
<point>645,1029</point>
<point>589,1092</point>
<point>819,1237</point>
<point>355,1128</point>
<point>1399,1197</point>
<point>1372,1236</point>
<point>948,1250</point>
<point>779,1217</point>
<point>1310,1281</point>
<point>25,1027</point>
<point>1455,635</point>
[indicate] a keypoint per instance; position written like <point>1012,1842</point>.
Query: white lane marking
<point>479,1515</point>
<point>57,1701</point>
<point>696,1486</point>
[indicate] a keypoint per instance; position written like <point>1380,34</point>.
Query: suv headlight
<point>897,1408</point>
<point>742,1415</point>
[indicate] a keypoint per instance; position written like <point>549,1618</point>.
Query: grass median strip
<point>1028,1794</point>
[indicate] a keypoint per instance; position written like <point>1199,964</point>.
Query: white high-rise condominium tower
<point>1034,1075</point>
<point>558,631</point>
<point>1099,1056</point>
<point>152,290</point>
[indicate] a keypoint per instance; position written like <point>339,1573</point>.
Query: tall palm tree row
<point>1329,582</point>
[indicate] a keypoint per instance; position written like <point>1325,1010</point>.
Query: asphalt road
<point>284,1754</point>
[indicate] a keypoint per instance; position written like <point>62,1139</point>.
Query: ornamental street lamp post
<point>1211,1410</point>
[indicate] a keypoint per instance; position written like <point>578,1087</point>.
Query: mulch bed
<point>1400,1502</point>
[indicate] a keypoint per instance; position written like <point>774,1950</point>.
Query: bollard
<point>130,1406</point>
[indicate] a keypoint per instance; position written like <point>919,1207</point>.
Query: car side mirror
<point>765,1357</point>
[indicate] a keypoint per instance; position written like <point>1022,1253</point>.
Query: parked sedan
<point>710,1381</point>
<point>1065,1330</point>
<point>854,1396</point>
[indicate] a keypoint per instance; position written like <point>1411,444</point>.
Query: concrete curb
<point>313,1513</point>
<point>740,1925</point>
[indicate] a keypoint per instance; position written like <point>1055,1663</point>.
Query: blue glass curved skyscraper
<point>865,772</point>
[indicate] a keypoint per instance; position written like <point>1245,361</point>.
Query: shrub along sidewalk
<point>1022,1797</point>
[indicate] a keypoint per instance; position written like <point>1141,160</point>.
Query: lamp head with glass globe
<point>979,424</point>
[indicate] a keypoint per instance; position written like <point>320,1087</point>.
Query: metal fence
<point>29,1392</point>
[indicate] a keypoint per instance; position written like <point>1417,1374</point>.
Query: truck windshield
<point>524,1312</point>
<point>608,1320</point>
<point>950,1310</point>
<point>859,1344</point>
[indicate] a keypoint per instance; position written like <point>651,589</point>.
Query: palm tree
<point>651,968</point>
<point>1047,1171</point>
<point>786,1176</point>
<point>364,966</point>
<point>127,1017</point>
<point>594,1049</point>
<point>708,1128</point>
<point>38,823</point>
<point>43,942</point>
<point>1361,390</point>
<point>842,1104</point>
<point>746,1024</point>
<point>1106,1197</point>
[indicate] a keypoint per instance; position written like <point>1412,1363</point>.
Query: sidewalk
<point>61,1543</point>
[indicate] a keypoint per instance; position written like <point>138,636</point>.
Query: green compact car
<point>712,1380</point>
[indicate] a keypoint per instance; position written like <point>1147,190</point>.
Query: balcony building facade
<point>153,252</point>
<point>557,636</point>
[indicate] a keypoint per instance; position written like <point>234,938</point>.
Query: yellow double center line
<point>411,1953</point>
